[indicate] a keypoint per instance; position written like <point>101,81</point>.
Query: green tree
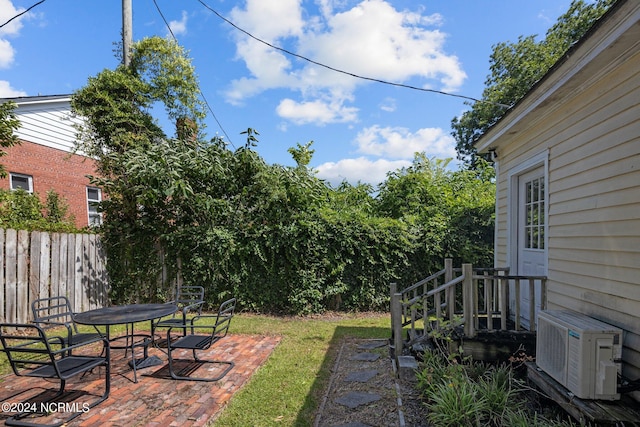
<point>516,67</point>
<point>276,237</point>
<point>9,123</point>
<point>450,213</point>
<point>118,105</point>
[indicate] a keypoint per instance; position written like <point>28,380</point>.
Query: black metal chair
<point>191,340</point>
<point>31,353</point>
<point>56,311</point>
<point>190,300</point>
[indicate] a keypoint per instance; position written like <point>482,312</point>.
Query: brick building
<point>44,160</point>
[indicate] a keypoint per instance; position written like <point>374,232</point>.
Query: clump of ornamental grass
<point>460,392</point>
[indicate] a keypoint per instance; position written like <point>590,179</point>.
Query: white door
<point>531,246</point>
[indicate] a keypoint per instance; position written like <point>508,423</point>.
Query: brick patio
<point>156,400</point>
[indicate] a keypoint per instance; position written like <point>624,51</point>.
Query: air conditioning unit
<point>580,353</point>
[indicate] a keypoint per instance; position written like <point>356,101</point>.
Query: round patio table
<point>128,314</point>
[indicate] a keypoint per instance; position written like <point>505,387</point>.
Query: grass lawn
<point>288,388</point>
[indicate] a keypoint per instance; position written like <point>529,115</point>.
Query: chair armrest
<point>190,307</point>
<point>53,323</point>
<point>50,341</point>
<point>190,324</point>
<point>194,319</point>
<point>105,345</point>
<point>67,325</point>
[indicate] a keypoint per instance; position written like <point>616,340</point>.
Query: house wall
<point>591,135</point>
<point>48,133</point>
<point>53,169</point>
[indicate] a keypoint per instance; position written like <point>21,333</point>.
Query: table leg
<point>146,361</point>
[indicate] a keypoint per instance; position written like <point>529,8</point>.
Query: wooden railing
<point>478,297</point>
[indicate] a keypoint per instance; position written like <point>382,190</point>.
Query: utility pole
<point>127,32</point>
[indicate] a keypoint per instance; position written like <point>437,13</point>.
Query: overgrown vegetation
<point>277,238</point>
<point>475,394</point>
<point>9,123</point>
<point>459,391</point>
<point>21,210</point>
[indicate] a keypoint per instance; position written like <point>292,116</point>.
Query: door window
<point>534,221</point>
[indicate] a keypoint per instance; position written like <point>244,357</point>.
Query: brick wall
<point>52,169</point>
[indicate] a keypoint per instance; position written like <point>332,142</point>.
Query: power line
<point>200,90</point>
<point>23,12</point>
<point>337,70</point>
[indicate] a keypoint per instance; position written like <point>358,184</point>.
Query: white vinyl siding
<point>48,123</point>
<point>590,126</point>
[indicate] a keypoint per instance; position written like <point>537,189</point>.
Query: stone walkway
<point>366,389</point>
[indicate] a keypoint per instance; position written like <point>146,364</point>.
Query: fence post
<point>517,303</point>
<point>532,305</point>
<point>488,298</point>
<point>467,300</point>
<point>504,302</point>
<point>396,320</point>
<point>450,294</point>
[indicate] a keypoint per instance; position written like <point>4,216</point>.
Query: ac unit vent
<point>580,353</point>
<point>553,338</point>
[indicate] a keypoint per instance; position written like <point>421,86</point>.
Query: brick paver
<point>156,400</point>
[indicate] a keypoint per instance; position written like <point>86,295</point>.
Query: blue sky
<point>361,129</point>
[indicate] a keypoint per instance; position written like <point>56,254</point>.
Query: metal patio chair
<point>30,352</point>
<point>190,300</point>
<point>56,311</point>
<point>198,335</point>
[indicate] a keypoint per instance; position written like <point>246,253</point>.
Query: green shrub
<point>21,210</point>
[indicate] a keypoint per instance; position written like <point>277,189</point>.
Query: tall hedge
<point>278,238</point>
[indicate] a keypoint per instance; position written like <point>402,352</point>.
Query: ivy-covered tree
<point>516,67</point>
<point>117,106</point>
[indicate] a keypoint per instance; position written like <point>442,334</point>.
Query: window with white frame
<point>534,222</point>
<point>22,181</point>
<point>94,197</point>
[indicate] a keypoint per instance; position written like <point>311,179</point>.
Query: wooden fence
<point>38,264</point>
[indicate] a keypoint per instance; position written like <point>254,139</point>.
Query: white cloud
<point>6,54</point>
<point>400,143</point>
<point>179,27</point>
<point>317,111</point>
<point>8,11</point>
<point>379,144</point>
<point>360,169</point>
<point>375,40</point>
<point>6,91</point>
<point>388,105</point>
<point>371,39</point>
<point>270,20</point>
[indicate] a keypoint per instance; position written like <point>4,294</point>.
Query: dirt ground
<point>398,403</point>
